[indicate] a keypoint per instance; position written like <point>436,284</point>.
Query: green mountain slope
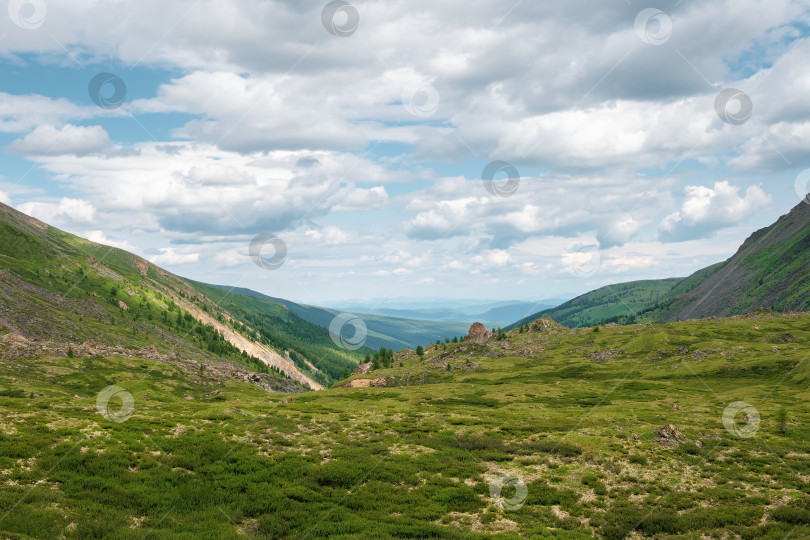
<point>620,302</point>
<point>65,291</point>
<point>770,270</point>
<point>383,331</point>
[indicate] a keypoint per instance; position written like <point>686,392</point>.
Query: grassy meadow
<point>548,433</point>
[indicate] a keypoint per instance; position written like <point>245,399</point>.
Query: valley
<point>139,403</point>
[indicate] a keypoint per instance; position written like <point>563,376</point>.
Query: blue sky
<point>362,148</point>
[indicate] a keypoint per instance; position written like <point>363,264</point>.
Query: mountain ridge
<point>770,269</point>
<point>62,288</point>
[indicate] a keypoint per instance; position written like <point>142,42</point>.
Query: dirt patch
<point>367,383</point>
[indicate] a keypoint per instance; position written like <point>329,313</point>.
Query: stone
<point>478,333</point>
<point>669,436</point>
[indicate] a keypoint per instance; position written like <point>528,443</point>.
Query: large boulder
<point>478,333</point>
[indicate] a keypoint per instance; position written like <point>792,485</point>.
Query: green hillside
<point>67,291</point>
<point>383,331</point>
<point>770,270</point>
<point>544,433</point>
<point>612,303</point>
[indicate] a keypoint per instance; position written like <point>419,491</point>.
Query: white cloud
<point>331,236</point>
<point>99,237</point>
<point>495,257</point>
<point>76,140</point>
<point>4,198</point>
<point>22,113</point>
<point>616,209</point>
<point>621,264</point>
<point>707,209</point>
<point>281,136</point>
<point>187,188</point>
<point>67,210</point>
<point>169,256</point>
<point>231,257</point>
<point>362,199</point>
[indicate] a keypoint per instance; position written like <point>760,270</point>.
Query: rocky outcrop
<point>544,324</point>
<point>669,436</point>
<point>478,333</point>
<point>363,369</point>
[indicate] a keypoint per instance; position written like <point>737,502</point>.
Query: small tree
<point>202,368</point>
<point>420,352</point>
<point>70,352</point>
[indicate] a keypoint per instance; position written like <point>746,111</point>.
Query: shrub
<point>782,419</point>
<point>638,459</point>
<point>789,514</point>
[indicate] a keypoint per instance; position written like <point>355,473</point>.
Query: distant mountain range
<point>491,313</point>
<point>392,331</point>
<point>770,270</point>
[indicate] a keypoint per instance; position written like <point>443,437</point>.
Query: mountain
<point>490,312</point>
<point>60,292</point>
<point>770,270</point>
<point>393,331</point>
<point>606,303</point>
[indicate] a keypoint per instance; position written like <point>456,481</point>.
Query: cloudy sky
<point>488,149</point>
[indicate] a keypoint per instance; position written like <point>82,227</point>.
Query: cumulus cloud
<point>169,256</point>
<point>67,210</point>
<point>70,139</point>
<point>269,124</point>
<point>331,236</point>
<point>707,209</point>
<point>202,190</point>
<point>616,209</point>
<point>100,238</point>
<point>21,113</point>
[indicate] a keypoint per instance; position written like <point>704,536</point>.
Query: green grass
<point>419,460</point>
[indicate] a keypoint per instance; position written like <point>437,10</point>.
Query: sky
<point>320,151</point>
